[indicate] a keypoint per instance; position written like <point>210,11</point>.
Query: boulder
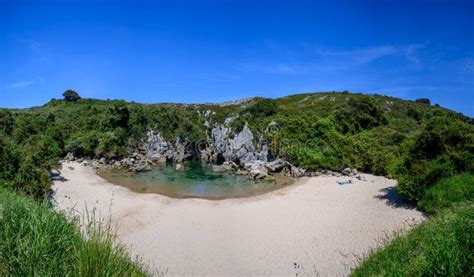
<point>69,157</point>
<point>297,172</point>
<point>256,169</point>
<point>230,165</point>
<point>218,168</point>
<point>241,172</point>
<point>276,166</point>
<point>55,173</point>
<point>179,167</point>
<point>346,171</point>
<point>349,172</point>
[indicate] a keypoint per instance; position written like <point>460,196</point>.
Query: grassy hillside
<point>419,144</point>
<point>373,133</point>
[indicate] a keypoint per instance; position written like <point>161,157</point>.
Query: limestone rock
<point>69,157</point>
<point>256,169</point>
<point>277,165</point>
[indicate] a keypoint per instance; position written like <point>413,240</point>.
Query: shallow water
<point>196,180</point>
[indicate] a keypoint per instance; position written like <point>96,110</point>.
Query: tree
<point>425,101</point>
<point>71,96</point>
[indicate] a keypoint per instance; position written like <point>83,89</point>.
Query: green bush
<point>359,114</point>
<point>441,246</point>
<point>36,241</point>
<point>447,192</point>
<point>266,107</point>
<point>71,96</point>
<point>18,172</point>
<point>444,147</point>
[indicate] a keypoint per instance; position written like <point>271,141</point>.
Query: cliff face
<point>223,144</point>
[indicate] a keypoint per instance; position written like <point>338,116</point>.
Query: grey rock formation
<point>277,165</point>
<point>349,172</point>
<point>157,148</point>
<point>69,157</point>
<point>256,169</point>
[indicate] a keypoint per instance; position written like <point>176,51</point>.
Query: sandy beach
<point>313,227</point>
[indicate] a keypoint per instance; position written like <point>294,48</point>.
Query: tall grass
<point>441,246</point>
<point>36,241</point>
<point>446,192</point>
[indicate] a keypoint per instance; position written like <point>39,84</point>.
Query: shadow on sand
<point>392,198</point>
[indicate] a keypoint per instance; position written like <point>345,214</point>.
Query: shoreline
<point>313,226</point>
<point>135,186</point>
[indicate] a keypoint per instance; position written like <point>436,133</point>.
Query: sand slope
<point>313,227</point>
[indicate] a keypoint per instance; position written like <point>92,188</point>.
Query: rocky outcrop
<point>157,149</point>
<point>256,169</point>
<point>224,148</point>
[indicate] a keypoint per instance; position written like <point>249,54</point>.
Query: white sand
<point>313,227</point>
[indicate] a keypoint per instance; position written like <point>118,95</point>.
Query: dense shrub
<point>425,101</point>
<point>373,150</point>
<point>358,114</point>
<point>444,147</point>
<point>6,122</point>
<point>18,172</point>
<point>328,130</point>
<point>71,96</point>
<point>263,108</point>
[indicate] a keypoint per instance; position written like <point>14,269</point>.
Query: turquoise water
<point>196,180</point>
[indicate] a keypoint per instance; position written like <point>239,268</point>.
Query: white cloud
<point>323,59</point>
<point>270,68</point>
<point>24,83</point>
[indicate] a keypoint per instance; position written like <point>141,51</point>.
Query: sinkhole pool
<point>195,180</point>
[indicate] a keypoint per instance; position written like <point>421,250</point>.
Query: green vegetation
<point>71,96</point>
<point>442,246</point>
<point>419,144</point>
<point>448,192</point>
<point>36,241</point>
<point>444,147</point>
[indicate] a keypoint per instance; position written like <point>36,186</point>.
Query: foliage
<point>360,114</point>
<point>19,172</point>
<point>441,246</point>
<point>36,241</point>
<point>263,108</point>
<point>322,130</point>
<point>417,143</point>
<point>71,96</point>
<point>447,192</point>
<point>443,148</point>
<point>425,101</point>
<point>6,122</point>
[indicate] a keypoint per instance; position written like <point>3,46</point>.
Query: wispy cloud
<point>317,59</point>
<point>24,83</point>
<point>269,68</point>
<point>356,56</point>
<point>411,53</point>
<point>39,52</point>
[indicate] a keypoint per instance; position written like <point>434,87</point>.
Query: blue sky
<point>213,51</point>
